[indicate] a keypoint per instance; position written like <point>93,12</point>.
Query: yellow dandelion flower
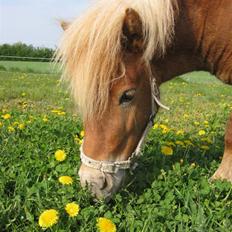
<point>155,126</point>
<point>61,113</point>
<point>164,128</point>
<point>55,111</point>
<point>21,126</point>
<point>196,123</point>
<point>78,140</point>
<point>165,131</point>
<point>15,123</point>
<point>60,155</point>
<point>66,180</point>
<point>45,119</point>
<point>11,129</point>
<point>167,150</point>
<point>23,94</point>
<point>180,132</point>
<point>106,225</point>
<point>82,134</point>
<point>186,116</point>
<point>193,165</point>
<point>48,218</point>
<point>72,209</point>
<point>201,132</point>
<point>6,116</point>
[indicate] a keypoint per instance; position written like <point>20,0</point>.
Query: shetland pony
<point>116,55</point>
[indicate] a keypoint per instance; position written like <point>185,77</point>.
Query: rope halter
<point>115,166</point>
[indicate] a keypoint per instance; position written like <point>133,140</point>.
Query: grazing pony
<point>116,55</point>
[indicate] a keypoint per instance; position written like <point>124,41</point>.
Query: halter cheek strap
<point>115,166</point>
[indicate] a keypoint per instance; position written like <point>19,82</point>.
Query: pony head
<point>107,54</point>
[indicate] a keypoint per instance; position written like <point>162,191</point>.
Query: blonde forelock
<point>90,50</point>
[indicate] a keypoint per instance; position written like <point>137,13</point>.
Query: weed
<point>165,193</point>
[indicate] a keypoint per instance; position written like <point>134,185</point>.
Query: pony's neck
<point>200,42</point>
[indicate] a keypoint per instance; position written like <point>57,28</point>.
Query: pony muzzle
<point>101,184</point>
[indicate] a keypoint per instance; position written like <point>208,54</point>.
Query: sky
<point>36,21</point>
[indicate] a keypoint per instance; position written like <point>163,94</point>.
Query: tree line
<point>19,50</point>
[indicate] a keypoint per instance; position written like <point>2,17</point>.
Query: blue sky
<point>35,21</point>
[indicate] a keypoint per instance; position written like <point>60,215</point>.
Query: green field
<point>165,193</point>
<point>28,67</point>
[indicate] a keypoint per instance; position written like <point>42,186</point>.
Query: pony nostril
<point>104,185</point>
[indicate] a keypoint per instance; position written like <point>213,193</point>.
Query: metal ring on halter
<point>115,166</point>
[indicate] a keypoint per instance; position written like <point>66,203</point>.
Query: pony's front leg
<point>225,169</point>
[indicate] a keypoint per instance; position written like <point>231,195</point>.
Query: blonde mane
<point>91,53</point>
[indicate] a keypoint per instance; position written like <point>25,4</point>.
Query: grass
<point>28,67</point>
<point>166,193</point>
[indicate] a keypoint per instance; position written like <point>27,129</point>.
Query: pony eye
<point>127,97</point>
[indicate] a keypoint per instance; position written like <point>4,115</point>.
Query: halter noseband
<point>115,166</point>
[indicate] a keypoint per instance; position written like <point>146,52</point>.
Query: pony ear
<point>132,37</point>
<point>65,25</point>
